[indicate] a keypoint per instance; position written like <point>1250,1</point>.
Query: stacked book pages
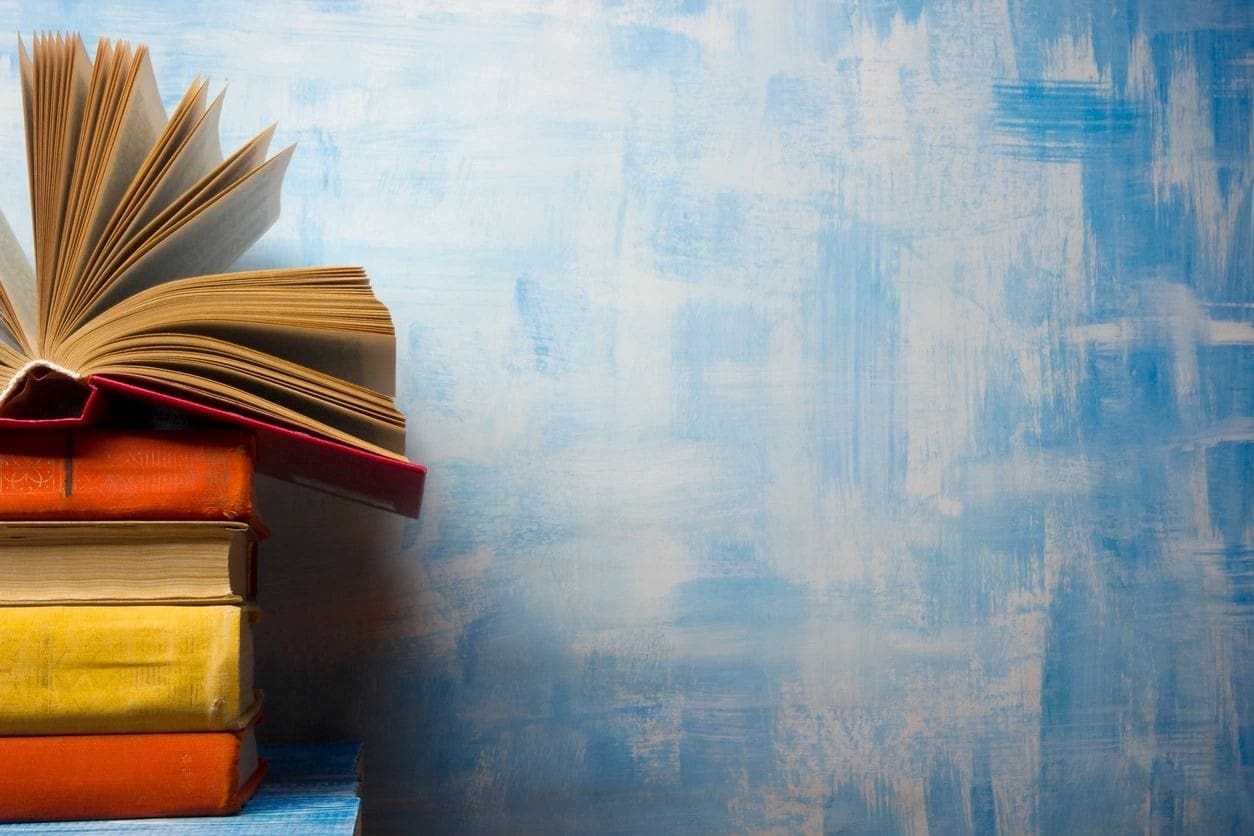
<point>127,582</point>
<point>127,556</point>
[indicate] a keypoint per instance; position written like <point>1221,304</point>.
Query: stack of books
<point>127,558</point>
<point>127,603</point>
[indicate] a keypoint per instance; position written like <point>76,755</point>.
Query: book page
<point>107,268</point>
<point>324,318</point>
<point>26,70</point>
<point>123,120</point>
<point>225,176</point>
<point>252,381</point>
<point>180,156</point>
<point>311,347</point>
<point>131,136</point>
<point>210,240</point>
<point>366,359</point>
<point>61,76</point>
<point>19,301</point>
<point>195,158</point>
<point>86,152</point>
<point>123,562</point>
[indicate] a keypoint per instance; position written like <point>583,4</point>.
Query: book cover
<point>127,776</point>
<point>309,789</point>
<point>293,455</point>
<point>128,475</point>
<point>144,668</point>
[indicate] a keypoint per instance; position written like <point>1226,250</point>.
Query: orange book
<point>127,475</point>
<point>127,776</point>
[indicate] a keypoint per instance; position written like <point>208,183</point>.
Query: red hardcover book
<point>127,776</point>
<point>128,475</point>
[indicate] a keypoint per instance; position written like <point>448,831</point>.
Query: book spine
<point>96,669</point>
<point>117,475</point>
<point>107,776</point>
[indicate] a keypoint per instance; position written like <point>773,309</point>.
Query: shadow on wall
<point>337,604</point>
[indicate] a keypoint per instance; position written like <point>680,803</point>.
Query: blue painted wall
<point>840,415</point>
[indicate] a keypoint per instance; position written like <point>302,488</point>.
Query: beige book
<point>136,219</point>
<point>45,563</point>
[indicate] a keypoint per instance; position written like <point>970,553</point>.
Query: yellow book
<point>100,669</point>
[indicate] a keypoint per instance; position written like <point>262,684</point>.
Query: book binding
<point>130,776</point>
<point>282,452</point>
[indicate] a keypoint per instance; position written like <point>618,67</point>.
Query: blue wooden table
<point>308,790</point>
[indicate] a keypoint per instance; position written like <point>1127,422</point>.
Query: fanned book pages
<point>136,220</point>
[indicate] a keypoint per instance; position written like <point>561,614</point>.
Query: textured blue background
<point>840,416</point>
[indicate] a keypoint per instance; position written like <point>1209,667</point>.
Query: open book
<point>136,218</point>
